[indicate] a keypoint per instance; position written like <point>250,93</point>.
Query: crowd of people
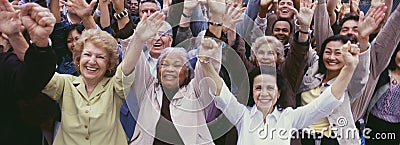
<point>223,72</point>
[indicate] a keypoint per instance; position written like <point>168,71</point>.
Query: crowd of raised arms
<point>199,72</point>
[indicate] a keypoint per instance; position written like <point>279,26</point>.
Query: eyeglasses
<point>165,33</point>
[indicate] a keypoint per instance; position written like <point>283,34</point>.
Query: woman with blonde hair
<point>90,103</point>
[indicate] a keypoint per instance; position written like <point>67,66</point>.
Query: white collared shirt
<point>252,129</point>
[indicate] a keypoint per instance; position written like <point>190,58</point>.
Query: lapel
<point>80,86</point>
<point>178,97</point>
<point>99,89</point>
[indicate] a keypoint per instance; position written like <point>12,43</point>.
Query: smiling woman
<point>90,103</point>
<point>268,86</point>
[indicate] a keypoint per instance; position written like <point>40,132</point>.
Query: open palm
<point>9,19</point>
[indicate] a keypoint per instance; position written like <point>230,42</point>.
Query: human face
<point>281,31</point>
<point>283,9</point>
<point>172,71</point>
<point>159,42</point>
<point>332,56</point>
<point>73,36</point>
<point>350,27</point>
<point>148,8</point>
<point>93,63</point>
<point>266,55</point>
<point>134,7</point>
<point>265,92</point>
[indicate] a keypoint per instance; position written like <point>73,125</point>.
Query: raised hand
<point>149,26</point>
<point>350,54</point>
<point>232,15</point>
<point>9,19</point>
<point>208,48</point>
<point>118,5</point>
<point>217,9</point>
<point>39,23</point>
<point>80,7</point>
<point>369,23</point>
<point>189,5</point>
<point>305,16</point>
<point>264,4</point>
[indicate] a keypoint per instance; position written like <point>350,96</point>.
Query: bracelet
<point>215,24</point>
<point>186,16</point>
<point>121,15</point>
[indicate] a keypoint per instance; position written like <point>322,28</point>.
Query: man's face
<point>283,9</point>
<point>159,42</point>
<point>147,8</point>
<point>281,31</point>
<point>350,28</point>
<point>134,7</point>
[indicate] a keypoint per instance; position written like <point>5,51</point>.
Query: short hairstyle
<point>286,93</point>
<point>152,1</point>
<point>100,39</point>
<point>270,40</point>
<point>286,20</point>
<point>337,37</point>
<point>185,56</point>
<point>348,17</point>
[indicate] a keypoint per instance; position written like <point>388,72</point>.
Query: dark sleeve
<point>223,37</point>
<point>295,62</point>
<point>59,38</point>
<point>127,31</point>
<point>35,72</point>
<point>183,33</point>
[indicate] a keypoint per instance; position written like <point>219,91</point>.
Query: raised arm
<point>299,46</point>
<point>381,52</point>
<point>389,5</point>
<point>350,56</point>
<point>231,18</point>
<point>40,58</point>
<point>209,47</point>
<point>217,10</point>
<point>55,9</point>
<point>147,27</point>
<point>323,28</point>
<point>184,31</point>
<point>10,25</point>
<point>368,24</point>
<point>330,7</point>
<point>84,11</point>
<point>105,13</point>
